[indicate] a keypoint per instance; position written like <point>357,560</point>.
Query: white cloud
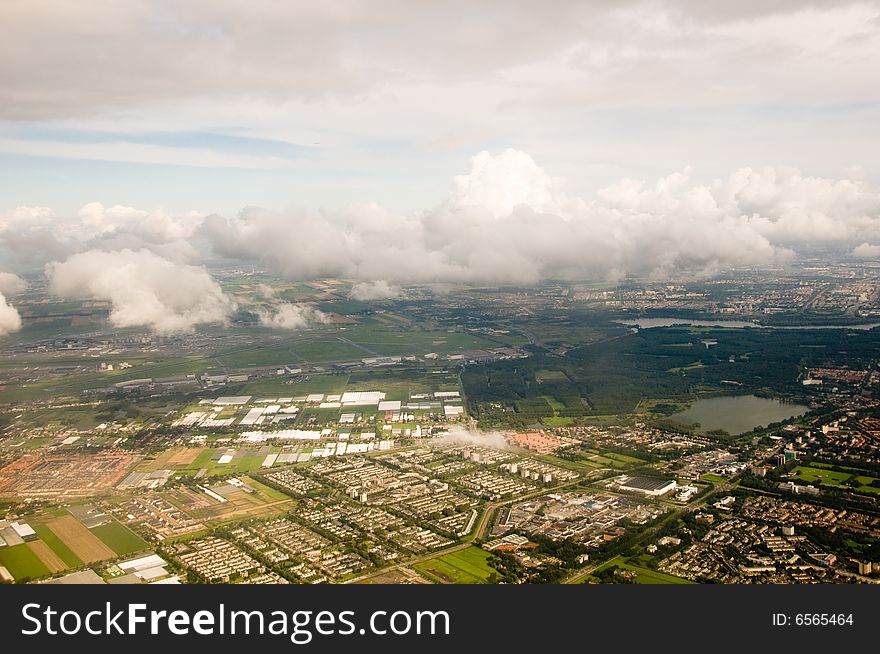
<point>507,221</point>
<point>291,316</point>
<point>867,251</point>
<point>377,290</point>
<point>30,236</point>
<point>11,284</point>
<point>500,183</point>
<point>144,289</point>
<point>10,320</point>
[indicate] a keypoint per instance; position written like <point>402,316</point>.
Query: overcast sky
<point>219,104</point>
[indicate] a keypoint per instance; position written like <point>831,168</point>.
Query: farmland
<point>22,562</point>
<point>119,538</point>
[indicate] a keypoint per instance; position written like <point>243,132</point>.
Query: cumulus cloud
<point>377,290</point>
<point>30,236</point>
<point>507,221</point>
<point>291,316</point>
<point>10,320</point>
<point>867,251</point>
<point>144,289</point>
<point>11,284</point>
<point>502,182</point>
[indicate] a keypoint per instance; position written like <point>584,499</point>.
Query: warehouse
<point>648,486</point>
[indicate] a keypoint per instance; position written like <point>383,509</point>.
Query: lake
<point>737,414</point>
<point>648,323</point>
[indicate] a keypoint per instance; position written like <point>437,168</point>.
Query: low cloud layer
<point>378,290</point>
<point>30,236</point>
<point>505,221</point>
<point>508,221</point>
<point>144,289</point>
<point>291,316</point>
<point>867,251</point>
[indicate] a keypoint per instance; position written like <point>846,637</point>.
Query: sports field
<point>467,566</point>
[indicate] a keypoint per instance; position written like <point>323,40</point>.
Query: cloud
<point>506,221</point>
<point>265,291</point>
<point>291,316</point>
<point>30,236</point>
<point>867,251</point>
<point>11,284</point>
<point>144,289</point>
<point>377,290</point>
<point>10,320</point>
<point>502,182</point>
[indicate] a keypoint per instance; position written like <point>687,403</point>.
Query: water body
<point>648,323</point>
<point>737,414</point>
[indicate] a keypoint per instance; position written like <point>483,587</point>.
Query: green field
<point>468,566</point>
<point>246,463</point>
<point>58,546</point>
<point>22,562</point>
<point>550,375</point>
<point>845,480</point>
<point>119,538</point>
<point>612,459</point>
<point>645,575</point>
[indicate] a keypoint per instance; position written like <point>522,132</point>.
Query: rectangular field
<point>47,556</point>
<point>120,538</point>
<point>63,551</point>
<point>80,540</point>
<point>22,562</point>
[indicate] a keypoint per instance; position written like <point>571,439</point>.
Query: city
<point>554,434</point>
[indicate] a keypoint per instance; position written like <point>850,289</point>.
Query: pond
<point>737,414</point>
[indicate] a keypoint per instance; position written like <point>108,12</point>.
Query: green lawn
<point>22,562</point>
<point>58,546</point>
<point>119,538</point>
<point>644,575</point>
<point>845,480</point>
<point>467,566</point>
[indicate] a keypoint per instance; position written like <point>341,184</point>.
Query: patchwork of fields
<point>64,543</point>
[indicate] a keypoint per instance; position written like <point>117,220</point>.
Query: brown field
<point>84,543</point>
<point>184,456</point>
<point>47,556</point>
